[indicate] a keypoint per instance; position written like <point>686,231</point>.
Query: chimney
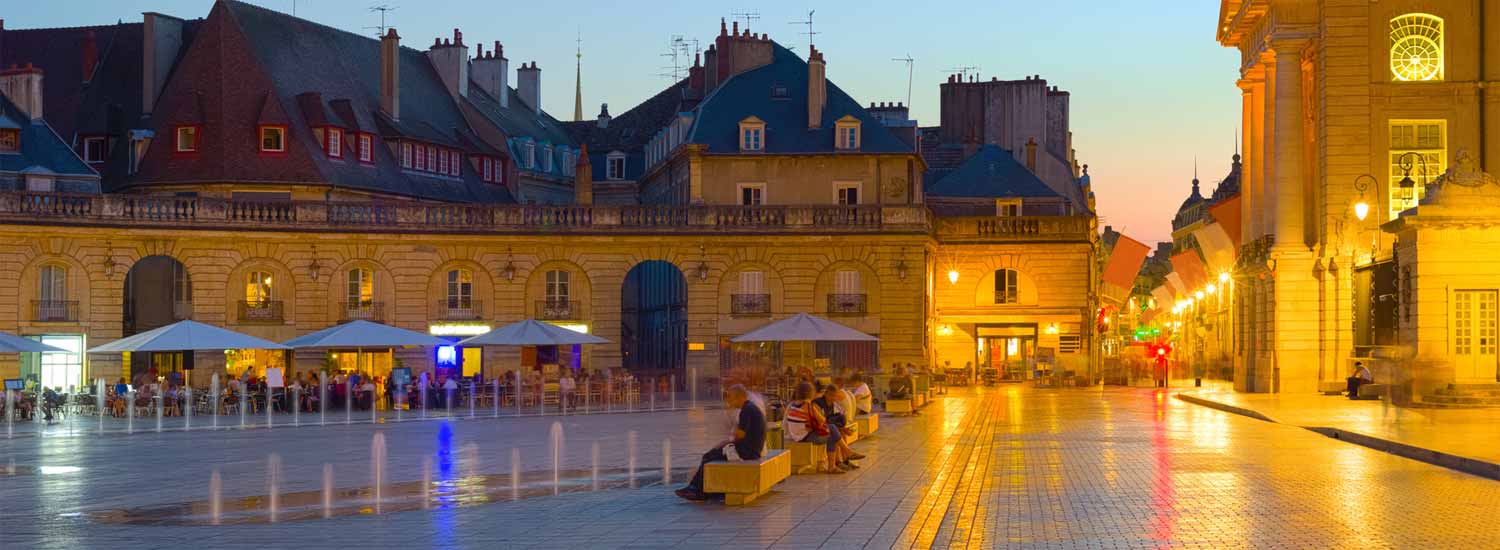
<point>604,115</point>
<point>90,51</point>
<point>23,85</point>
<point>817,87</point>
<point>161,43</point>
<point>695,77</point>
<point>451,61</point>
<point>529,85</point>
<point>390,74</point>
<point>491,71</point>
<point>1031,154</point>
<point>583,178</point>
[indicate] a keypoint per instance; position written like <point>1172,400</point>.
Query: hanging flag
<point>1190,268</point>
<point>1163,296</point>
<point>1227,213</point>
<point>1218,249</point>
<point>1124,263</point>
<point>1178,287</point>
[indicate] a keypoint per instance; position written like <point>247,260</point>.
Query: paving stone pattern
<point>989,467</point>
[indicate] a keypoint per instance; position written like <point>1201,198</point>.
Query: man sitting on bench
<point>748,443</point>
<point>1361,377</point>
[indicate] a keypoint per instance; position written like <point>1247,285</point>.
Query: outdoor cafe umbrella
<point>187,336</point>
<point>10,343</point>
<point>532,333</point>
<point>364,334</point>
<point>804,327</point>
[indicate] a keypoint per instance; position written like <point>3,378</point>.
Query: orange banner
<point>1125,262</point>
<point>1227,213</point>
<point>1190,268</point>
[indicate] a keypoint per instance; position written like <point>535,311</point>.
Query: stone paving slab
<point>987,467</point>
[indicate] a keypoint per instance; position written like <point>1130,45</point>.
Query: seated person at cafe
<point>863,397</point>
<point>831,404</point>
<point>805,423</point>
<point>748,443</point>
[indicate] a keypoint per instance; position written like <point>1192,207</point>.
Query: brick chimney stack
<point>23,85</point>
<point>583,177</point>
<point>817,87</point>
<point>451,61</point>
<point>491,71</point>
<point>390,74</point>
<point>1031,154</point>
<point>90,51</point>
<point>529,85</point>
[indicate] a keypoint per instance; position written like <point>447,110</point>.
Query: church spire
<point>578,81</point>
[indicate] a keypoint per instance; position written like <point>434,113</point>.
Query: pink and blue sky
<point>1151,90</point>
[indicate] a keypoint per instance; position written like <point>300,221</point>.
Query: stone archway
<point>653,319</point>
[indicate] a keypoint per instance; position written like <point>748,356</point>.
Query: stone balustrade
<point>1014,228</point>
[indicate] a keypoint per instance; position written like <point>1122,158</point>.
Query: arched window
<point>460,289</point>
<point>257,288</point>
<point>557,287</point>
<point>54,284</point>
<point>1006,286</point>
<point>1417,48</point>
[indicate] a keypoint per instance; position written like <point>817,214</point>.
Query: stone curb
<point>1488,470</point>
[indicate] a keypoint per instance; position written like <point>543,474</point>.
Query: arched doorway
<point>653,319</point>
<point>158,292</point>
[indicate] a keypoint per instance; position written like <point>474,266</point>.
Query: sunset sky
<point>1151,90</point>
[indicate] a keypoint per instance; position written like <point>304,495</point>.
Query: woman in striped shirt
<point>805,423</point>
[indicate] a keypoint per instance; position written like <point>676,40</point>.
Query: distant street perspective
<point>1184,274</point>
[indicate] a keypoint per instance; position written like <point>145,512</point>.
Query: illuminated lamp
<point>1198,295</point>
<point>1211,289</point>
<point>1224,277</point>
<point>953,276</point>
<point>1361,210</point>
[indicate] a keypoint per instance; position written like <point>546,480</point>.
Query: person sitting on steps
<point>1361,377</point>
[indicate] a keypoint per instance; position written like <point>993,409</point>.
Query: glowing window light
<point>1416,48</point>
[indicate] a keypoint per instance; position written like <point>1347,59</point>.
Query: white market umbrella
<point>532,333</point>
<point>803,327</point>
<point>10,343</point>
<point>364,334</point>
<point>187,336</point>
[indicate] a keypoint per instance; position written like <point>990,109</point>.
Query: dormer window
<point>455,164</point>
<point>421,157</point>
<point>530,155</point>
<point>366,148</point>
<point>442,167</point>
<point>94,148</point>
<point>846,133</point>
<point>10,140</point>
<point>406,155</point>
<point>335,143</point>
<point>547,158</point>
<point>752,134</point>
<point>615,166</point>
<point>273,139</point>
<point>187,139</point>
<point>488,168</point>
<point>432,162</point>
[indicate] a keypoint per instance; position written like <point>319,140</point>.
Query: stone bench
<point>743,482</point>
<point>918,401</point>
<point>1372,391</point>
<point>806,457</point>
<point>867,424</point>
<point>899,406</point>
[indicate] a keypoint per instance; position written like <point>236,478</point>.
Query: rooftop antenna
<point>747,15</point>
<point>383,9</point>
<point>908,60</point>
<point>676,47</point>
<point>967,71</point>
<point>809,23</point>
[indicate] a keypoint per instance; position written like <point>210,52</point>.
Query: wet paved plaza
<point>990,467</point>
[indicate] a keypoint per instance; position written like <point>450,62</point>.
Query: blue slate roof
<point>40,146</point>
<point>749,94</point>
<point>991,172</point>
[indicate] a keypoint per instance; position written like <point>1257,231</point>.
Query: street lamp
<point>1362,208</point>
<point>953,276</point>
<point>1406,166</point>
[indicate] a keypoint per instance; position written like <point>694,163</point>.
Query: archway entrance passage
<point>158,292</point>
<point>653,319</point>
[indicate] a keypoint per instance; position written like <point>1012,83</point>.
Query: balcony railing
<point>387,216</point>
<point>1015,228</point>
<point>558,310</point>
<point>459,309</point>
<point>262,311</point>
<point>54,311</point>
<point>362,311</point>
<point>846,304</point>
<point>750,304</point>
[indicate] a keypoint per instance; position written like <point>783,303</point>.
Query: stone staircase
<point>1463,396</point>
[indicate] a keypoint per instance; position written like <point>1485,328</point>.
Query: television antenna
<point>908,60</point>
<point>383,9</point>
<point>677,47</point>
<point>747,15</point>
<point>966,71</point>
<point>809,23</point>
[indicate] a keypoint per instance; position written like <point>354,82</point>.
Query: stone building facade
<point>1349,103</point>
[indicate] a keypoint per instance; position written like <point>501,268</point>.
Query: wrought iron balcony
<point>260,311</point>
<point>460,309</point>
<point>750,304</point>
<point>846,304</point>
<point>362,311</point>
<point>54,311</point>
<point>558,310</point>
